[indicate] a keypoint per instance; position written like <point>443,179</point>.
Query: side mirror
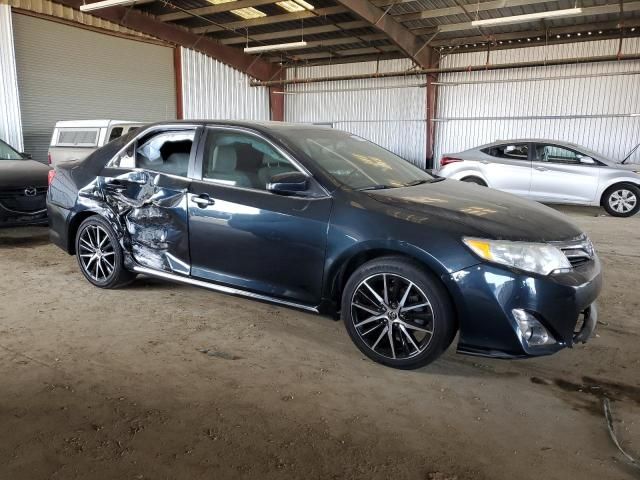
<point>587,160</point>
<point>288,183</point>
<point>28,156</point>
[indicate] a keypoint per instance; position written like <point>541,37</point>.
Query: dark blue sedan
<point>325,221</point>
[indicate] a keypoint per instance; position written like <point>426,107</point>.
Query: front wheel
<point>397,314</point>
<point>622,200</point>
<point>99,254</point>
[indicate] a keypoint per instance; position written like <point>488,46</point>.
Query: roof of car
<point>532,140</point>
<point>100,123</point>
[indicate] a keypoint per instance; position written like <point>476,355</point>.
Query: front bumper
<point>14,218</point>
<point>485,296</point>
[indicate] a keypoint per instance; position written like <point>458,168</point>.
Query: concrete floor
<point>114,384</point>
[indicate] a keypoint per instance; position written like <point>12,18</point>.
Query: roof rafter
<point>588,11</point>
<point>268,20</point>
<point>210,10</point>
<point>298,31</point>
<point>131,18</point>
<point>409,43</point>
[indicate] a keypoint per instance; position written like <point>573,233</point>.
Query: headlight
<point>532,257</point>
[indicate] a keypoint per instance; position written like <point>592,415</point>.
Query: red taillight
<point>447,160</point>
<point>49,157</point>
<point>52,174</point>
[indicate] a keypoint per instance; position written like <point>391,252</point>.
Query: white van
<point>76,139</point>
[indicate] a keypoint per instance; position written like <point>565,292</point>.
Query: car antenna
<point>633,150</point>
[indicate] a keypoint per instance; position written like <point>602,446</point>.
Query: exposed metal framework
<point>338,31</point>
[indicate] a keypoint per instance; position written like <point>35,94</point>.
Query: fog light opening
<point>531,332</point>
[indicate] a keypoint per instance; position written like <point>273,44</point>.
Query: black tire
<point>395,273</point>
<point>616,200</point>
<point>476,180</point>
<point>111,260</point>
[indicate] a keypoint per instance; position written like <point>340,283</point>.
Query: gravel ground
<point>162,381</point>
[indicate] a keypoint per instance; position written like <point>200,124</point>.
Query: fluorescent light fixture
<point>219,2</point>
<point>527,17</point>
<point>277,46</point>
<point>248,13</point>
<point>105,4</point>
<point>295,5</point>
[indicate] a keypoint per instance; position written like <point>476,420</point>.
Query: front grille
<point>17,200</point>
<point>579,251</point>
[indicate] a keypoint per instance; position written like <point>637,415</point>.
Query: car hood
<point>23,173</point>
<point>482,210</point>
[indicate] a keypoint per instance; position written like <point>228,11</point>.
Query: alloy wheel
<point>392,316</point>
<point>97,254</point>
<point>623,200</point>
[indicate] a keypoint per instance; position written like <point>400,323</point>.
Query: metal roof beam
<point>588,11</point>
<point>297,32</point>
<point>271,19</point>
<point>472,7</point>
<point>409,43</point>
<point>213,9</point>
<point>131,18</point>
<point>534,34</point>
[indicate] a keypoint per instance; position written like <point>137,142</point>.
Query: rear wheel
<point>99,254</point>
<point>397,314</point>
<point>476,180</point>
<point>622,200</point>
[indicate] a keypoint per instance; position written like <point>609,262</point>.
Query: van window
<point>78,137</point>
<point>115,133</point>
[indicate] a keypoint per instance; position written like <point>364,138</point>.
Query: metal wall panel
<point>598,108</point>
<point>212,90</point>
<point>388,111</point>
<point>10,123</point>
<point>70,73</point>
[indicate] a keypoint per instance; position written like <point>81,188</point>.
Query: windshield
<point>8,153</point>
<point>356,162</point>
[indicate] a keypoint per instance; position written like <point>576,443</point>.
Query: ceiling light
<point>538,38</point>
<point>589,33</point>
<point>527,17</point>
<point>248,13</point>
<point>633,29</point>
<point>579,34</point>
<point>105,4</point>
<point>528,39</point>
<point>600,32</point>
<point>218,2</point>
<point>295,5</point>
<point>277,46</point>
<point>558,36</point>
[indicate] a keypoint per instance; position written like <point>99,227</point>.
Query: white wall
<point>377,110</point>
<point>10,120</point>
<point>594,111</point>
<point>213,90</point>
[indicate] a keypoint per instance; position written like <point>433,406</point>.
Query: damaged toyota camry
<point>324,221</point>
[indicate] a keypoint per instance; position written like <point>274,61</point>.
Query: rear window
<point>518,151</point>
<point>78,137</point>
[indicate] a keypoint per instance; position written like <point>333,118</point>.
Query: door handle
<point>541,169</point>
<point>485,162</point>
<point>203,200</point>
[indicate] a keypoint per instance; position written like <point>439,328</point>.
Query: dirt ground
<point>160,381</point>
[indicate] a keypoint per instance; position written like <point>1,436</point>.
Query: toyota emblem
<point>30,191</point>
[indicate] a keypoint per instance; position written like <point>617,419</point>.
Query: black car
<point>23,189</point>
<point>325,221</point>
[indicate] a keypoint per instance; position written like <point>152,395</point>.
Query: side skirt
<point>221,288</point>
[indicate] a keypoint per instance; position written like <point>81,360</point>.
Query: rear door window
<point>513,151</point>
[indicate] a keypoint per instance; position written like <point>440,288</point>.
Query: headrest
<point>224,159</point>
